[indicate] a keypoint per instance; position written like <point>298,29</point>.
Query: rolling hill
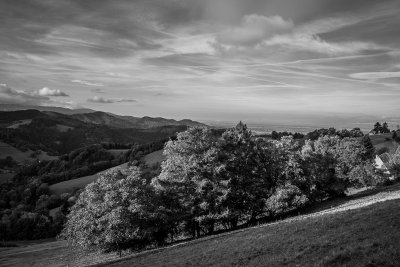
<point>66,111</point>
<point>112,120</point>
<point>60,133</point>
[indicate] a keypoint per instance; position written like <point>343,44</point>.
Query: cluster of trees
<point>380,128</point>
<point>354,133</point>
<point>78,163</point>
<point>210,182</point>
<point>278,135</point>
<point>28,210</point>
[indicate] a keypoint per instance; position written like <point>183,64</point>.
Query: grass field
<point>15,125</point>
<point>384,140</point>
<point>19,156</point>
<point>71,185</point>
<point>360,230</point>
<point>117,152</point>
<point>155,157</point>
<point>368,236</point>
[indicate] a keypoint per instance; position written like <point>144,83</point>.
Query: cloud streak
<point>102,100</point>
<point>375,75</point>
<point>87,83</point>
<point>45,91</point>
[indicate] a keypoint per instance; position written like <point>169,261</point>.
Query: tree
<point>112,213</point>
<point>385,128</point>
<point>394,163</point>
<point>368,147</point>
<point>249,168</point>
<point>396,136</point>
<point>377,128</point>
<point>188,179</point>
<point>286,198</point>
<point>320,163</point>
<point>356,132</point>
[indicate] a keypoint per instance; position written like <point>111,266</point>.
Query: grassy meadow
<point>365,237</point>
<point>70,185</point>
<point>360,230</point>
<point>384,141</point>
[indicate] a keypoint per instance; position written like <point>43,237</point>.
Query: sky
<point>216,60</point>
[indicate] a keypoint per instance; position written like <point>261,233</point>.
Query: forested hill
<point>61,133</point>
<point>113,120</point>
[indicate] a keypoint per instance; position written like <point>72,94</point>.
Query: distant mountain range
<point>59,130</point>
<point>117,121</point>
<point>97,117</point>
<point>67,111</point>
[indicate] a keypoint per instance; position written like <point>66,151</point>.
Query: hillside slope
<point>67,111</point>
<point>360,230</point>
<point>59,133</point>
<point>71,185</point>
<point>112,120</point>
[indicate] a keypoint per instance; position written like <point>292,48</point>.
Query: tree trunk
<point>196,227</point>
<point>211,228</point>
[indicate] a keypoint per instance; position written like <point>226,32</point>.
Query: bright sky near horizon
<point>208,59</point>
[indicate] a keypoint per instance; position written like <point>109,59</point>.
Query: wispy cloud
<point>87,83</point>
<point>98,91</point>
<point>102,100</point>
<point>254,29</point>
<point>375,75</point>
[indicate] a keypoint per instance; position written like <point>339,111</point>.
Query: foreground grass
<point>369,236</point>
<point>362,229</point>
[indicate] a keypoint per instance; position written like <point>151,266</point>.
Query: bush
<point>112,213</point>
<point>285,199</point>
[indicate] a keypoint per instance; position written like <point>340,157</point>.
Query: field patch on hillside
<point>155,157</point>
<point>20,156</point>
<point>17,124</point>
<point>380,141</point>
<point>117,152</point>
<point>71,185</point>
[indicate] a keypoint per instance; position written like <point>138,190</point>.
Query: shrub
<point>112,213</point>
<point>285,199</point>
